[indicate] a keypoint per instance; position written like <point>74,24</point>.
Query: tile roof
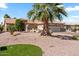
<point>12,21</point>
<point>9,21</point>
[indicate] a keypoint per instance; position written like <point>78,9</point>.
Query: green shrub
<point>11,29</point>
<point>19,25</point>
<point>1,28</point>
<point>76,37</point>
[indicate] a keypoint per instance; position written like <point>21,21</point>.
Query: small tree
<point>11,29</point>
<point>6,16</point>
<point>14,18</point>
<point>19,25</point>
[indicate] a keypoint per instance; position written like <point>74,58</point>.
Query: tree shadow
<point>3,48</point>
<point>64,37</point>
<point>2,32</point>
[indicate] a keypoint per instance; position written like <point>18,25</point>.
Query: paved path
<point>51,46</point>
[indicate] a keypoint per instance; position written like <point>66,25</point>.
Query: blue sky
<point>20,10</point>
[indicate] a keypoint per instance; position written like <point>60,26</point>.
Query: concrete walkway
<point>51,46</point>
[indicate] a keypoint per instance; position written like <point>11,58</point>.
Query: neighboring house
<point>37,26</point>
<point>10,21</point>
<point>72,27</point>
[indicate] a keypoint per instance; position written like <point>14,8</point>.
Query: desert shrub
<point>11,29</point>
<point>76,37</point>
<point>19,25</point>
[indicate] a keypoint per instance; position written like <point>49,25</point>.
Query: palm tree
<point>6,16</point>
<point>47,12</point>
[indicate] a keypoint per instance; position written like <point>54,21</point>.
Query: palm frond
<point>49,11</point>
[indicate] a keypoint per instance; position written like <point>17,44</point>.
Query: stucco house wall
<point>36,25</point>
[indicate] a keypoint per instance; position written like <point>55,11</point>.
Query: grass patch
<point>21,50</point>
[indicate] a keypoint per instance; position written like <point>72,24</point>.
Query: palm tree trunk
<point>45,31</point>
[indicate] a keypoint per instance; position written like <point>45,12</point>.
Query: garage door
<point>55,29</point>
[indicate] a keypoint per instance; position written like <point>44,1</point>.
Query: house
<point>10,21</point>
<point>72,27</point>
<point>36,25</point>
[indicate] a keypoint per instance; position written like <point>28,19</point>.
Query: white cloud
<point>3,5</point>
<point>71,21</point>
<point>76,8</point>
<point>74,16</point>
